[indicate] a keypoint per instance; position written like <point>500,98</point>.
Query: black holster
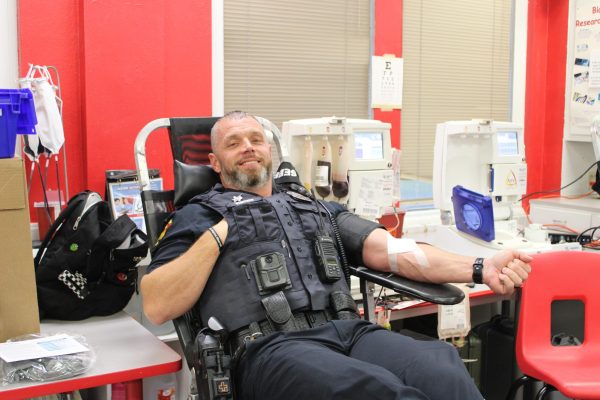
<point>213,369</point>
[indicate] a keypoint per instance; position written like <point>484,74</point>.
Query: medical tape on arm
<point>397,246</point>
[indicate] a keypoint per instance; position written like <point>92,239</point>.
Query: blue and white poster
<point>125,198</point>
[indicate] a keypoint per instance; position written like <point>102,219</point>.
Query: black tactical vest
<point>281,225</point>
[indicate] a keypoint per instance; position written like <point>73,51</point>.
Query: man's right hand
<point>506,270</point>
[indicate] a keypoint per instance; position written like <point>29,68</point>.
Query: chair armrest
<point>433,292</point>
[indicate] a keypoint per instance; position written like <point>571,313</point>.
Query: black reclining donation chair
<point>190,145</point>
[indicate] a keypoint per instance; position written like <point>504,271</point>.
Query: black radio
<point>329,268</point>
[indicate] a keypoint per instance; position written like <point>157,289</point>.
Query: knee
<point>442,361</point>
<point>444,367</point>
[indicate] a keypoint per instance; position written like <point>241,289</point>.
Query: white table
<point>125,351</point>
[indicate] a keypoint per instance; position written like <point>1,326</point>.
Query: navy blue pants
<point>351,360</point>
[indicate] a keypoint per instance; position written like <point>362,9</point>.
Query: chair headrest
<point>191,180</point>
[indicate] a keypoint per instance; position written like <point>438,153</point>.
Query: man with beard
<point>248,253</point>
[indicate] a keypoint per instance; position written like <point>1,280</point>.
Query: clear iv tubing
<point>307,163</point>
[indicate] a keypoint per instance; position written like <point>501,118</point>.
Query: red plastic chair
<point>572,370</point>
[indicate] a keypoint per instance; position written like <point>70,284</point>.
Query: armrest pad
<point>433,292</point>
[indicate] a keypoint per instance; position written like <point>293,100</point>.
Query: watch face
<point>471,216</point>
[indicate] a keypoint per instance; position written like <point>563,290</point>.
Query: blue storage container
<point>17,116</point>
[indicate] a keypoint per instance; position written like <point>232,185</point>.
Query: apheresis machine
<point>344,160</point>
<point>479,176</point>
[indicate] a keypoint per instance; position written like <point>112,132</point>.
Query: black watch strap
<point>478,270</point>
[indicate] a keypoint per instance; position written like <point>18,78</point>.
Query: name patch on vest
<point>298,196</point>
<point>240,200</point>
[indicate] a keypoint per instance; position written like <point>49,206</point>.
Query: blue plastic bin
<point>17,117</point>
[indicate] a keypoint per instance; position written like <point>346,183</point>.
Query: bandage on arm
<point>407,248</point>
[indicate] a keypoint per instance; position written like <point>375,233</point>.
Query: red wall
<point>545,92</point>
<point>121,64</point>
<point>388,40</point>
<point>49,34</point>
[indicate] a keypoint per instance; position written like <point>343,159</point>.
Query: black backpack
<point>86,265</point>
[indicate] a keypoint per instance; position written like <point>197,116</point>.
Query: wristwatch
<point>478,270</point>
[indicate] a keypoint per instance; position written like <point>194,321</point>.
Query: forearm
<point>503,272</point>
<point>440,267</point>
<point>174,288</point>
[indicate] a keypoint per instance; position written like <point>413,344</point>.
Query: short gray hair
<point>231,115</point>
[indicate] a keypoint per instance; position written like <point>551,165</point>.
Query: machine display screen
<point>368,145</point>
<point>508,144</point>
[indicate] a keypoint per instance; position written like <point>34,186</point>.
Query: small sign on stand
<point>123,194</point>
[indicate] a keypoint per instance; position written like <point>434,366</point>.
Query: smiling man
<point>252,255</point>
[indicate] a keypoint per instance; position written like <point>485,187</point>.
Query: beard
<point>244,181</point>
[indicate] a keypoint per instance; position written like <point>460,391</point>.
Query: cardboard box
<point>18,297</point>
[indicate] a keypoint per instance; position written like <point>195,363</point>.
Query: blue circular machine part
<point>472,216</point>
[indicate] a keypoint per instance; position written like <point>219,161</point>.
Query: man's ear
<point>214,163</point>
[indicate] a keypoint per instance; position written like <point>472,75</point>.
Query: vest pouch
<point>309,217</point>
<point>256,221</point>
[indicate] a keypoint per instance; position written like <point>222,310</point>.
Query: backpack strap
<point>115,233</point>
<point>116,236</point>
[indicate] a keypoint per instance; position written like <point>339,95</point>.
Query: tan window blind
<point>457,66</point>
<point>297,59</point>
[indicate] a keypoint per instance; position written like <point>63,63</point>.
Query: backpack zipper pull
<point>89,202</point>
<point>76,224</point>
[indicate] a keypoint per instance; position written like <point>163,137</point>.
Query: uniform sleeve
<point>353,231</point>
<point>183,229</point>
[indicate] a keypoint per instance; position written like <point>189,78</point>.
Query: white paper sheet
<point>594,72</point>
<point>55,345</point>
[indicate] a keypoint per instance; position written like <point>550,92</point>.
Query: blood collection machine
<point>344,160</point>
<point>479,176</point>
<point>483,157</point>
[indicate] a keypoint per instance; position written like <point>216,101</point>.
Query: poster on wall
<point>584,75</point>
